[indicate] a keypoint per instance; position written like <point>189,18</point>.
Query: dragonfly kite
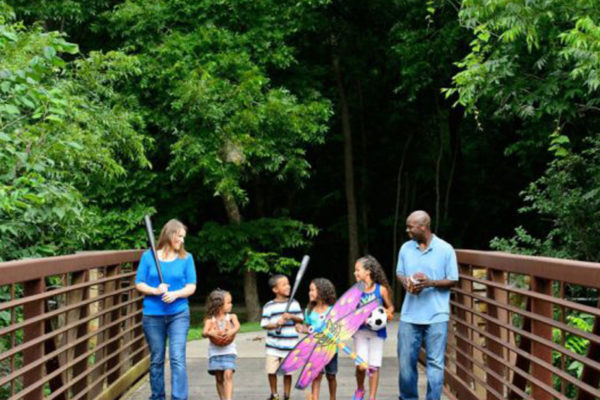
<point>320,345</point>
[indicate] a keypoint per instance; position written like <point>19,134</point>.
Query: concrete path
<point>250,381</point>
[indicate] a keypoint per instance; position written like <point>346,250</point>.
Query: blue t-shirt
<point>176,274</point>
<point>314,318</point>
<point>438,261</point>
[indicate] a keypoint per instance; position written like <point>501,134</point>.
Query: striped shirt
<point>279,345</point>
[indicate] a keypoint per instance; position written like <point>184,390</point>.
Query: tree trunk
<point>398,291</point>
<point>453,125</point>
<point>438,171</point>
<point>250,286</point>
<point>364,179</point>
<point>398,192</point>
<point>438,167</point>
<point>348,172</point>
<point>251,295</point>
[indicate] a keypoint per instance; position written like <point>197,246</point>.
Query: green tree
<point>533,59</point>
<point>207,83</point>
<point>63,129</point>
<point>537,65</point>
<point>258,243</point>
<point>567,197</point>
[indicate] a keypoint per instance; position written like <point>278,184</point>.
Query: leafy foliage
<point>567,197</point>
<point>534,59</point>
<point>209,72</point>
<point>256,245</point>
<point>63,129</point>
<point>574,343</point>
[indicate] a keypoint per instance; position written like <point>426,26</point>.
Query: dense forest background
<point>276,128</point>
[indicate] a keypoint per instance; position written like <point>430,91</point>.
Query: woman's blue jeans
<point>157,328</point>
<point>410,338</point>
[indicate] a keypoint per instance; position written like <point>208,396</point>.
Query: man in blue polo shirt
<point>427,269</point>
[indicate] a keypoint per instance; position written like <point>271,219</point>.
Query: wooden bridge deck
<point>250,381</point>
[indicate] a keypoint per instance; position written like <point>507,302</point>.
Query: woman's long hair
<point>376,271</point>
<point>170,229</point>
<point>215,302</point>
<point>325,293</point>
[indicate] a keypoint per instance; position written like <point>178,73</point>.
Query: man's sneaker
<point>273,396</point>
<point>359,394</point>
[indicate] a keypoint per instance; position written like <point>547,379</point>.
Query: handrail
<point>77,340</point>
<point>35,268</point>
<point>509,332</point>
<point>509,335</point>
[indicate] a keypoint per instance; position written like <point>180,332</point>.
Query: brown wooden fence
<point>524,328</point>
<point>70,326</point>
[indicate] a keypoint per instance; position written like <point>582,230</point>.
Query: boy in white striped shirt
<point>279,344</point>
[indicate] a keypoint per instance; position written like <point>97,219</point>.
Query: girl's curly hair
<point>376,271</point>
<point>215,302</point>
<point>325,293</point>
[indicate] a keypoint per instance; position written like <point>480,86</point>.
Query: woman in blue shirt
<point>166,308</point>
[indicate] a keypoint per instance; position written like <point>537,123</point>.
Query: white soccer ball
<point>378,319</point>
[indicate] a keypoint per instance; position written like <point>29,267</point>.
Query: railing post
<point>590,375</point>
<point>75,297</point>
<point>112,350</point>
<point>521,362</point>
<point>30,332</point>
<point>139,332</point>
<point>501,296</point>
<point>465,347</point>
<point>542,330</point>
<point>101,336</point>
<point>52,364</point>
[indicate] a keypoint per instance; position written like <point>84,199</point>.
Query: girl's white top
<point>222,350</point>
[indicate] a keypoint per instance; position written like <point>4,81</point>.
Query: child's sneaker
<point>359,394</point>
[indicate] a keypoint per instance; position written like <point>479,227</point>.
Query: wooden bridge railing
<point>521,328</point>
<point>524,328</point>
<point>70,326</point>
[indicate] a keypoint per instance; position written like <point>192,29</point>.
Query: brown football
<point>221,340</point>
<point>419,276</point>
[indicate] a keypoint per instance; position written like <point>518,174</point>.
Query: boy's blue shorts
<point>332,367</point>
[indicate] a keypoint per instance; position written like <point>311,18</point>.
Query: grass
<point>197,324</point>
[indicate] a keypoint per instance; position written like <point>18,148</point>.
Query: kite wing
<point>327,341</point>
<point>346,303</point>
<point>319,358</point>
<point>317,349</point>
<point>349,323</point>
<point>299,356</point>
